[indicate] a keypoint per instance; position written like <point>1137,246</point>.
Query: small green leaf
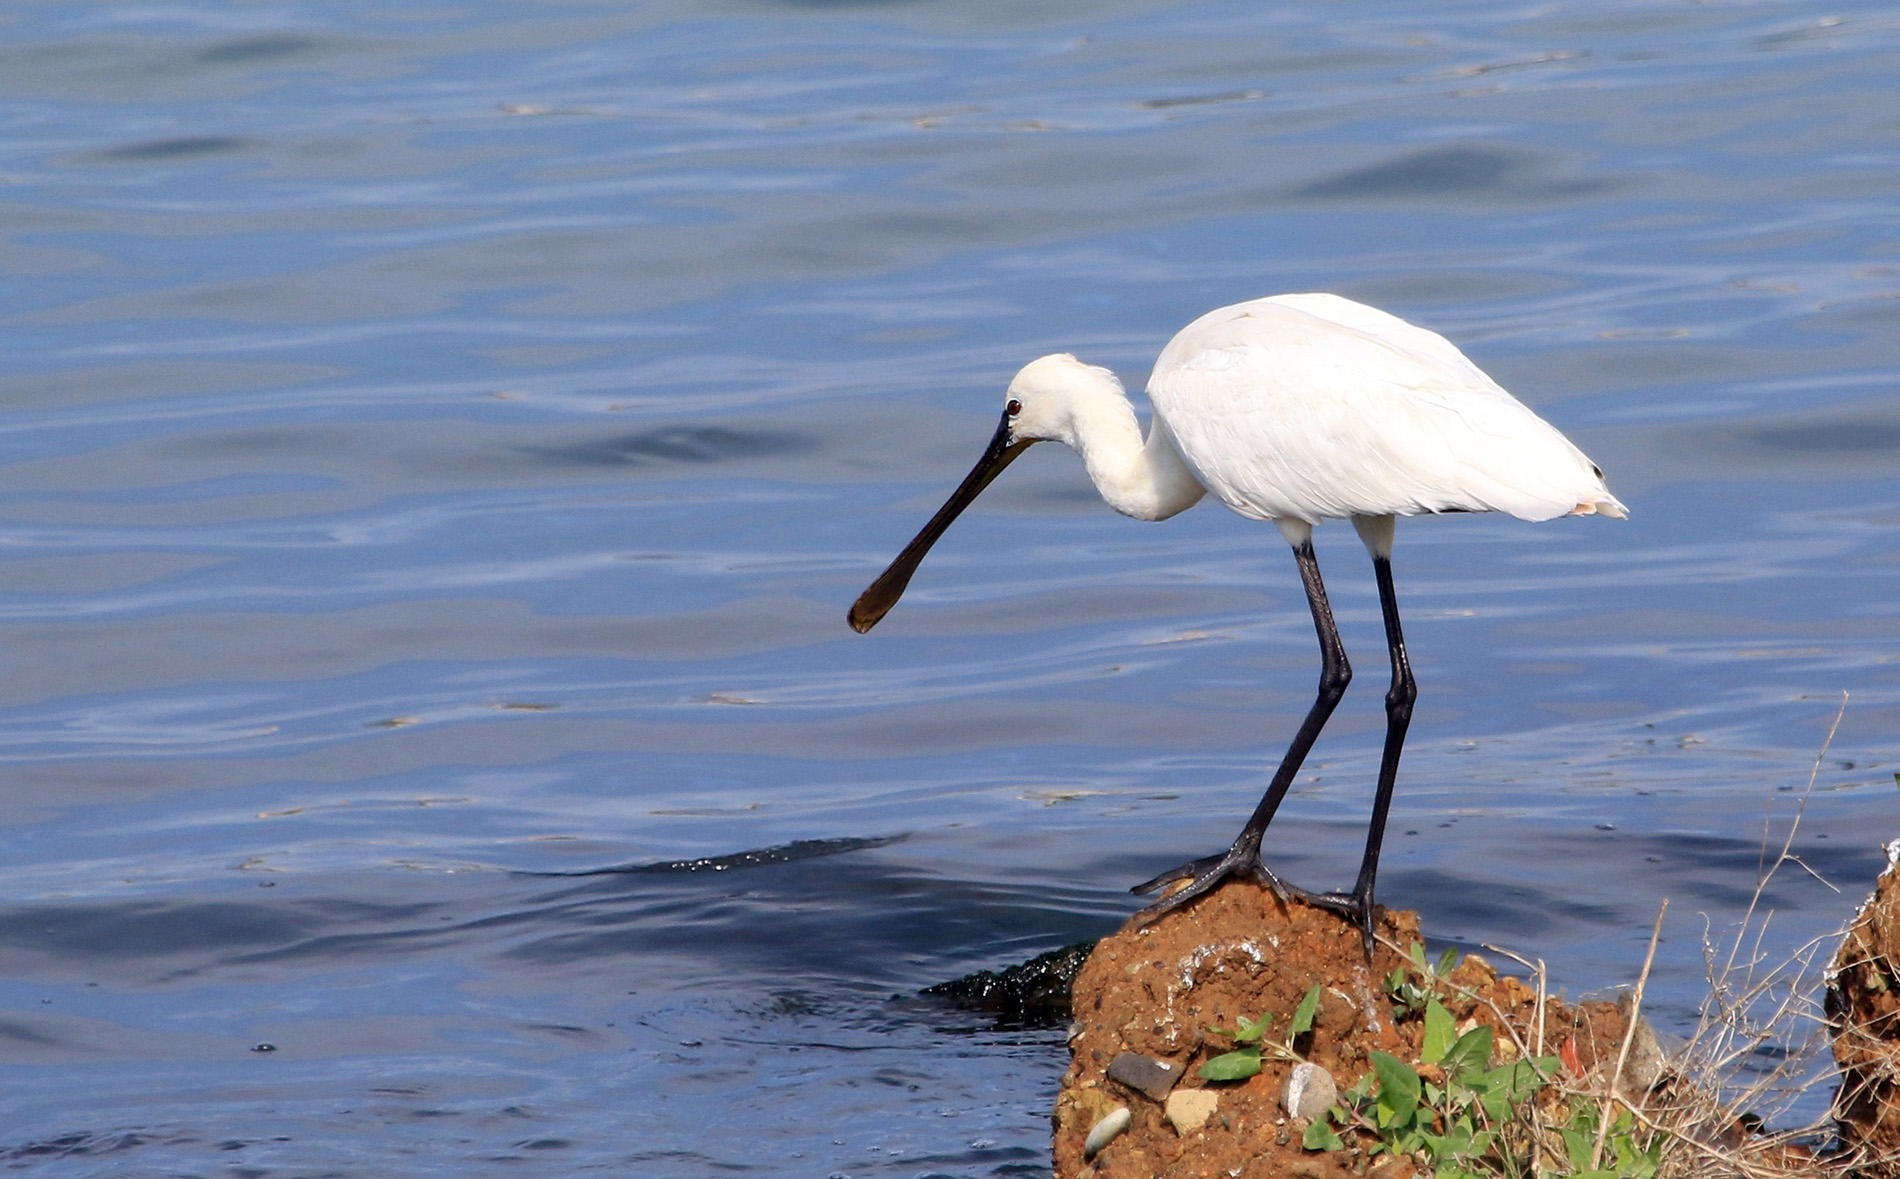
<point>1398,1089</point>
<point>1247,1030</point>
<point>1577,1143</point>
<point>1439,1031</point>
<point>1518,1080</point>
<point>1470,1055</point>
<point>1233,1066</point>
<point>1320,1136</point>
<point>1447,960</point>
<point>1303,1018</point>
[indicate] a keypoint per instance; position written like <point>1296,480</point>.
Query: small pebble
<point>1106,1131</point>
<point>1309,1091</point>
<point>1189,1109</point>
<point>1145,1075</point>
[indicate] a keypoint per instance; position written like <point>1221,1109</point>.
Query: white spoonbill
<point>1294,409</point>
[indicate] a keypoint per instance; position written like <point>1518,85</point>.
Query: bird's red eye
<point>1013,408</point>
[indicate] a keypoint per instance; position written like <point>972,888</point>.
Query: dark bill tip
<point>876,601</point>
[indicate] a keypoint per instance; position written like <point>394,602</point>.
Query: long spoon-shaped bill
<point>874,603</point>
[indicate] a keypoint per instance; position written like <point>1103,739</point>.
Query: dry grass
<point>1760,1046</point>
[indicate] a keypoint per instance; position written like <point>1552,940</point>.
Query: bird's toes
<point>1180,896</point>
<point>1342,903</point>
<point>1350,905</point>
<point>1194,870</point>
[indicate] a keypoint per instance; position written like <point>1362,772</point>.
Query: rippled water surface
<point>441,442</point>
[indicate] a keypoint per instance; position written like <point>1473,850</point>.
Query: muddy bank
<point>1422,1066</point>
<point>1493,1075</point>
<point>1154,1004</point>
<point>1863,1008</point>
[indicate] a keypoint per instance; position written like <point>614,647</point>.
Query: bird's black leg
<point>1243,858</point>
<point>1398,717</point>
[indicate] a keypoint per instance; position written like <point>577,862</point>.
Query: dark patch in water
<point>786,853</point>
<point>676,444</point>
<point>1861,437</point>
<point>19,1033</point>
<point>1521,910</point>
<point>1449,172</point>
<point>183,148</point>
<point>79,1143</point>
<point>1033,994</point>
<point>268,47</point>
<point>857,919</point>
<point>146,928</point>
<point>829,5</point>
<point>1161,104</point>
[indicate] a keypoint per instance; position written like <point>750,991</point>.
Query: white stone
<point>1309,1092</point>
<point>1189,1109</point>
<point>1106,1131</point>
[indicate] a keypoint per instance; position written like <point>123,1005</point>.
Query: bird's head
<point>1044,403</point>
<point>1048,396</point>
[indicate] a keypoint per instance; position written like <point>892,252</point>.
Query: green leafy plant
<point>1411,994</point>
<point>1471,1124</point>
<point>1455,1113</point>
<point>1451,1125</point>
<point>1244,1061</point>
<point>1627,1153</point>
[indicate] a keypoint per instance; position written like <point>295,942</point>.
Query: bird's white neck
<point>1147,480</point>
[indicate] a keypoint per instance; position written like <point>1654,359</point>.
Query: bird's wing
<point>1284,411</point>
<point>1383,325</point>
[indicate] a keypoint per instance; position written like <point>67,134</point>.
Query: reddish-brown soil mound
<point>1158,989</point>
<point>1863,1001</point>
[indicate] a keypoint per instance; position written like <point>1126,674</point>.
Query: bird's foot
<point>1354,906</point>
<point>1241,861</point>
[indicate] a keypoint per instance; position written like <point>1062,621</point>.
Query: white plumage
<point>1295,409</point>
<point>1316,407</point>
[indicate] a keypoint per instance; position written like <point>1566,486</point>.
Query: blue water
<point>441,443</point>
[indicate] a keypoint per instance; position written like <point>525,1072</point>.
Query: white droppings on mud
<point>1892,848</point>
<point>1191,965</point>
<point>1368,1007</point>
